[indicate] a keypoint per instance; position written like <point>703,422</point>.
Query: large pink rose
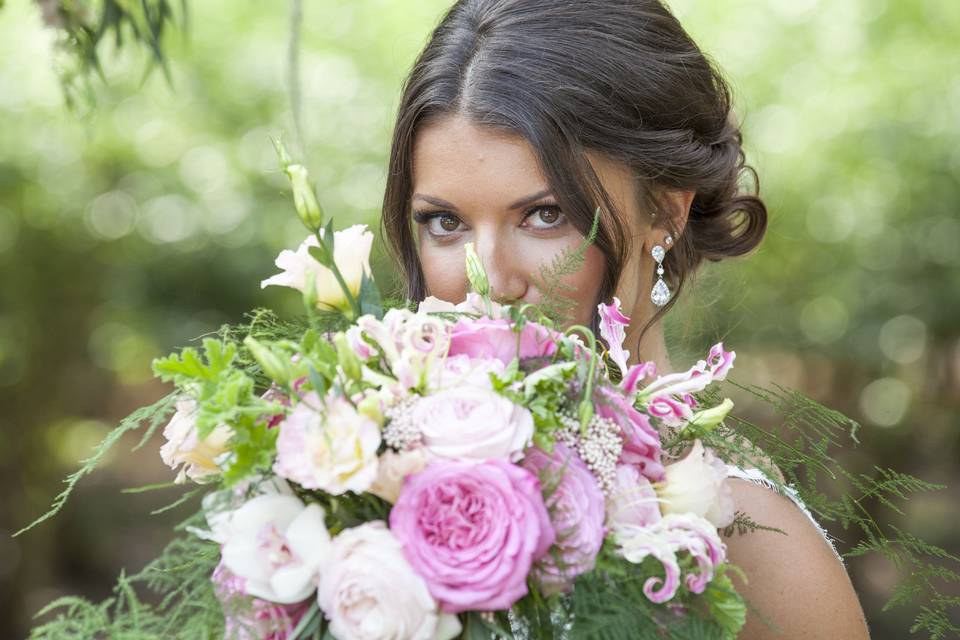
<point>641,441</point>
<point>492,338</point>
<point>575,503</point>
<point>473,530</point>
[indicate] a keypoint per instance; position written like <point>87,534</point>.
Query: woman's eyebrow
<point>440,202</point>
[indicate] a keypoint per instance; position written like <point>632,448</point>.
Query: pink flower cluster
<point>479,512</point>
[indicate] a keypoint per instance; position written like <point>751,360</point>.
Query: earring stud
<point>660,294</point>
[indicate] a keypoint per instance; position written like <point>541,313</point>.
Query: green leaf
<point>726,606</point>
<point>370,300</point>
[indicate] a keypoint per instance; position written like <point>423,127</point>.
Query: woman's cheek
<point>445,274</point>
<point>581,287</point>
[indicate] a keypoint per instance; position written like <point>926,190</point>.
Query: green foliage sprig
<point>82,27</point>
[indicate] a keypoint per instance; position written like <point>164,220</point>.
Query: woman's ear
<point>675,208</point>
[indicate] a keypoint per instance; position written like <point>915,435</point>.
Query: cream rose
<point>369,591</point>
<point>472,422</point>
<point>351,252</point>
<point>697,484</point>
<point>326,444</point>
<point>392,470</point>
<point>199,457</point>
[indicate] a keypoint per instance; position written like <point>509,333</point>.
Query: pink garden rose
<point>575,503</point>
<point>473,530</point>
<point>490,338</point>
<point>641,441</point>
<point>250,618</point>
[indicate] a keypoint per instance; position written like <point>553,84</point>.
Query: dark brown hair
<point>620,78</point>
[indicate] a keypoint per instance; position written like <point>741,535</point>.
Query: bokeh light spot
<point>885,401</point>
<point>824,319</point>
<point>903,339</point>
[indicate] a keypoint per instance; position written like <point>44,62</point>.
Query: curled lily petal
<point>612,329</point>
<point>674,534</point>
<point>635,374</point>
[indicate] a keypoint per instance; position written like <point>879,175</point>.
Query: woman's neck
<point>652,347</point>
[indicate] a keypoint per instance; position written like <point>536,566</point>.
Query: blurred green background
<point>135,230</point>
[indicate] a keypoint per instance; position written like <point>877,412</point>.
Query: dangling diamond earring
<point>660,294</point>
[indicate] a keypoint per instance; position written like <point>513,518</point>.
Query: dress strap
<point>759,477</point>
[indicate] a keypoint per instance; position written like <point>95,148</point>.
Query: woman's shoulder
<point>795,581</point>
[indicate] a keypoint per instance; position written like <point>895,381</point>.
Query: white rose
<point>368,590</point>
<point>277,545</point>
<point>392,470</point>
<point>697,485</point>
<point>351,252</point>
<point>198,457</point>
<point>472,422</point>
<point>327,444</point>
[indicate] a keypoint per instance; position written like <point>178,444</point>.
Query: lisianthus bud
<point>475,271</point>
<point>304,199</point>
<point>708,419</point>
<point>270,362</point>
<point>346,357</point>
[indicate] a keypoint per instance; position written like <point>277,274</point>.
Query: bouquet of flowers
<point>419,472</point>
<point>455,470</point>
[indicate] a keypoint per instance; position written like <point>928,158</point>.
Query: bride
<point>518,119</point>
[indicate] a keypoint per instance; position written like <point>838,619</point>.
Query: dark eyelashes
<point>423,217</point>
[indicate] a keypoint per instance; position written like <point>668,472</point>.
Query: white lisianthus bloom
<point>351,252</point>
<point>472,422</point>
<point>326,444</point>
<point>199,457</point>
<point>277,544</point>
<point>369,591</point>
<point>697,484</point>
<point>473,303</point>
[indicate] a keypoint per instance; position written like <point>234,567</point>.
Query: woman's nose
<point>503,265</point>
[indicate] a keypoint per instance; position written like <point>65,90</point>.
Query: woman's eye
<point>438,223</point>
<point>544,217</point>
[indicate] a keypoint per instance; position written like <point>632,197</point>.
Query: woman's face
<point>478,185</point>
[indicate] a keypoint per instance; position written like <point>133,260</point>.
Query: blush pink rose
<point>472,422</point>
<point>492,338</point>
<point>576,506</point>
<point>473,530</point>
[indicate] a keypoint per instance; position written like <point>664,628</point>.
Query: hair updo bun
<point>618,78</point>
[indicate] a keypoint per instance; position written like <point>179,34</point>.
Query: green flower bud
<point>346,357</point>
<point>708,419</point>
<point>369,406</point>
<point>270,362</point>
<point>475,272</point>
<point>304,198</point>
